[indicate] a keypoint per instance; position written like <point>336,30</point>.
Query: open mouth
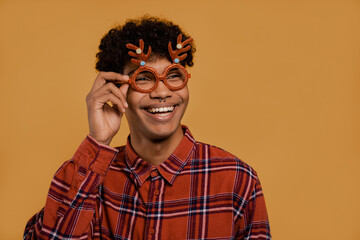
<point>161,111</point>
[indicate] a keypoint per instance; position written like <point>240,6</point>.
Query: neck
<point>156,151</point>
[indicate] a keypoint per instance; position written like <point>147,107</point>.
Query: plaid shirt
<point>199,192</point>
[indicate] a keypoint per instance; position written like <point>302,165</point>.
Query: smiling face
<point>148,118</point>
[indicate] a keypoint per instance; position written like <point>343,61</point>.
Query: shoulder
<point>226,172</point>
<point>223,160</point>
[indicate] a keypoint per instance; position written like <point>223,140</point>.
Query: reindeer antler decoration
<point>139,53</point>
<point>180,48</point>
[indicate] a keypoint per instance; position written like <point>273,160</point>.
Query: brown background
<point>275,82</point>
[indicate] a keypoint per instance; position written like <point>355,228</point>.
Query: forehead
<point>156,62</point>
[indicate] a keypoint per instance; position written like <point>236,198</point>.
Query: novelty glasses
<point>145,79</point>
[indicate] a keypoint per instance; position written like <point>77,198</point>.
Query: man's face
<point>147,116</point>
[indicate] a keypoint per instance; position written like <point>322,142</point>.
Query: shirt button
<point>153,174</point>
<point>156,192</point>
<point>152,231</point>
<point>91,155</point>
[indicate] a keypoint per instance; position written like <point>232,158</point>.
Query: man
<point>162,184</point>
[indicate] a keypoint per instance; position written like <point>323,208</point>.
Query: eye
<point>173,75</point>
<point>145,78</point>
<point>142,78</point>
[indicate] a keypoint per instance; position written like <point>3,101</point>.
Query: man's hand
<point>104,120</point>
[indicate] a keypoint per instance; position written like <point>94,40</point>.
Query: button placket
<point>153,198</point>
<point>91,155</point>
<point>153,175</point>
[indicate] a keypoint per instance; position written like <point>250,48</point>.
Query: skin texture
<point>104,120</point>
<point>152,136</point>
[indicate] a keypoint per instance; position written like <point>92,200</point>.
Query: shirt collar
<point>169,169</point>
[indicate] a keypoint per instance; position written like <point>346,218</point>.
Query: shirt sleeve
<point>71,200</point>
<point>254,223</point>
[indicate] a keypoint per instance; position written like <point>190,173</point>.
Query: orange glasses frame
<point>140,58</point>
<point>132,80</point>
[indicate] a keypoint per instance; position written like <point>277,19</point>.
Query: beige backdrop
<point>277,83</point>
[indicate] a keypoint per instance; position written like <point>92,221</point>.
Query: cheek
<point>184,94</point>
<point>134,98</point>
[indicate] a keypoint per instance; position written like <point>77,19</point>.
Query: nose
<point>161,91</point>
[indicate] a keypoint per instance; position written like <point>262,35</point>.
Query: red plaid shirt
<point>199,192</point>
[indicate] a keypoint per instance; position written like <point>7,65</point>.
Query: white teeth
<point>161,110</point>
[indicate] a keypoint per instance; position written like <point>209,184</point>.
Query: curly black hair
<point>156,32</point>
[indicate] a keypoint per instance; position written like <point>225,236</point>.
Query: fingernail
<point>126,104</point>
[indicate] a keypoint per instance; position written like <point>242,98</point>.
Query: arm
<point>254,223</point>
<point>71,201</point>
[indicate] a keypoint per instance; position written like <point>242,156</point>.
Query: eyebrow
<point>131,72</point>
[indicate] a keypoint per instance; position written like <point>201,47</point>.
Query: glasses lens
<point>176,77</point>
<point>145,80</point>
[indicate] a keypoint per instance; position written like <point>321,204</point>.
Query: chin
<point>160,133</point>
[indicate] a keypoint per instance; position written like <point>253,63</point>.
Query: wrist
<point>99,141</point>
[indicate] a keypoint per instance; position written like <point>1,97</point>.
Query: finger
<point>118,92</point>
<point>103,77</point>
<point>110,107</point>
<point>113,76</point>
<point>124,90</point>
<point>117,103</point>
<point>121,94</point>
